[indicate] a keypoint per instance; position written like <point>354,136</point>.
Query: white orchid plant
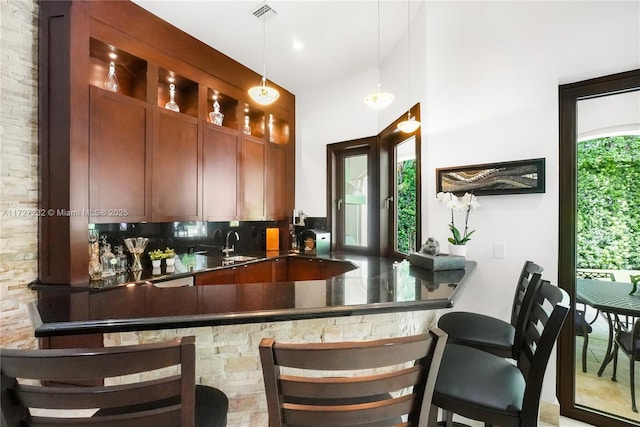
<point>465,204</point>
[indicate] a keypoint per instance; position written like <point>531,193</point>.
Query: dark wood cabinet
<point>118,189</point>
<point>219,174</point>
<point>279,269</point>
<point>252,178</point>
<point>315,268</point>
<point>222,276</point>
<point>92,142</point>
<point>276,182</point>
<point>259,272</point>
<point>176,184</point>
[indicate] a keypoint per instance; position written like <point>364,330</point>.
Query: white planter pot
<point>460,250</point>
<point>155,263</point>
<point>170,261</point>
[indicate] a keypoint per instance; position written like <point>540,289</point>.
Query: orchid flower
<point>465,204</point>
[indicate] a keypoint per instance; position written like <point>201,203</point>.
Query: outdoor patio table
<point>612,299</point>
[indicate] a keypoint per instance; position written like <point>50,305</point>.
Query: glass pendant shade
<point>410,125</point>
<point>263,94</point>
<point>379,100</point>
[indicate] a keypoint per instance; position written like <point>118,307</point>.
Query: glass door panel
<point>356,208</point>
<point>404,221</point>
<point>607,236</point>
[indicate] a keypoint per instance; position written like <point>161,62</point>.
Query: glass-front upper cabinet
<point>117,71</point>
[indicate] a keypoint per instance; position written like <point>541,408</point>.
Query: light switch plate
<point>498,250</point>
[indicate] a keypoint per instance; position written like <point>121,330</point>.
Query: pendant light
<point>379,99</point>
<point>409,125</point>
<point>263,94</point>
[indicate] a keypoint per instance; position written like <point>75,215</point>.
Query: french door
<point>373,193</point>
<point>352,195</point>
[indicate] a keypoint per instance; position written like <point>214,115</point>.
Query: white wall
<point>487,81</point>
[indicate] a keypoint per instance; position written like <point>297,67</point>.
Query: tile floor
<point>600,392</point>
<point>564,422</point>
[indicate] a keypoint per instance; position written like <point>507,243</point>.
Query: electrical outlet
<point>499,250</point>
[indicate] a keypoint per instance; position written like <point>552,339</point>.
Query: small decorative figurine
<point>431,247</point>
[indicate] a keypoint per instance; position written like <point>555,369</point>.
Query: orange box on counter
<point>273,239</point>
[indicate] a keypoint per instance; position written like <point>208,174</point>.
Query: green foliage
<point>406,176</point>
<point>457,238</point>
<point>169,253</point>
<point>156,254</point>
<point>608,214</point>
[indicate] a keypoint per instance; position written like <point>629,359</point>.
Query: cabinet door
<point>315,268</point>
<point>176,183</point>
<point>219,183</point>
<point>260,272</point>
<point>279,269</point>
<point>277,207</point>
<point>223,276</point>
<point>118,190</point>
<point>252,182</point>
<point>302,269</point>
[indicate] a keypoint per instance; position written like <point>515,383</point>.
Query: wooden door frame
<point>388,139</point>
<point>569,94</point>
<point>380,182</point>
<point>335,152</point>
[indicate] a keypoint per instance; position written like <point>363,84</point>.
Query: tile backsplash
<point>186,237</point>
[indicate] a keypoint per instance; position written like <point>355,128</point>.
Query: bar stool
<point>36,381</point>
<point>484,387</point>
<point>488,333</point>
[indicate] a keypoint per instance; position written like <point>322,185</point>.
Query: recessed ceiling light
<point>297,44</point>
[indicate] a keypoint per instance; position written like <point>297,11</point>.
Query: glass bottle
<point>109,261</point>
<point>216,116</point>
<point>247,128</point>
<point>95,269</point>
<point>121,266</point>
<point>111,82</point>
<point>171,105</point>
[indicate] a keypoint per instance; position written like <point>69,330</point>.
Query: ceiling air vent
<point>263,11</point>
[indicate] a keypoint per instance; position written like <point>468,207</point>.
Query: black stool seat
<point>210,408</point>
<point>497,386</point>
<point>476,330</point>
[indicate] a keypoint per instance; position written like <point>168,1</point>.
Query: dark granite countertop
<point>186,265</point>
<point>378,285</point>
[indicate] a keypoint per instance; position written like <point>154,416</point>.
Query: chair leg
<point>585,344</point>
<point>448,418</point>
<point>594,317</point>
<point>633,386</point>
<point>615,362</point>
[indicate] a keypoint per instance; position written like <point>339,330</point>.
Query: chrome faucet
<point>227,249</point>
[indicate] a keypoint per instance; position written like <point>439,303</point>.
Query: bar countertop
<point>377,285</point>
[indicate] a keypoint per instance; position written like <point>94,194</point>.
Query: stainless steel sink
<point>241,258</point>
<point>237,258</point>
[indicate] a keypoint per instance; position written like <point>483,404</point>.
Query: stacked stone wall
<point>227,356</point>
<point>18,168</point>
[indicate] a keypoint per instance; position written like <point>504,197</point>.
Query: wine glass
<point>136,245</point>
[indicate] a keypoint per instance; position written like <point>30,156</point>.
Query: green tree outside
<point>406,187</point>
<point>608,216</point>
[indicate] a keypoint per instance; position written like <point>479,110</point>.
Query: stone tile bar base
<point>227,356</point>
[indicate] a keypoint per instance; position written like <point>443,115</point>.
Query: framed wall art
<point>518,177</point>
